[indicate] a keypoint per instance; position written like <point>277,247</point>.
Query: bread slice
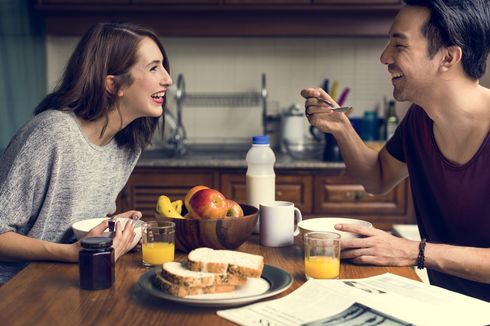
<point>240,264</point>
<point>182,290</point>
<point>177,273</point>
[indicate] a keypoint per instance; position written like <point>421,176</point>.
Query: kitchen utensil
<point>343,96</point>
<point>293,125</point>
<point>334,89</point>
<point>325,86</point>
<point>342,109</point>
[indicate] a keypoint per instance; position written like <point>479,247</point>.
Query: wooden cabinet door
<point>267,2</point>
<point>340,195</point>
<point>293,188</point>
<point>96,2</point>
<point>176,2</point>
<point>146,184</point>
<point>358,2</point>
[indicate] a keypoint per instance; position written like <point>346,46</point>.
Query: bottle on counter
<point>260,178</point>
<point>391,120</point>
<point>96,263</point>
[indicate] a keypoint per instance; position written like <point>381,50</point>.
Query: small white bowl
<point>81,228</point>
<point>328,224</point>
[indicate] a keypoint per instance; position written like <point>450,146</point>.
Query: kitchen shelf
<point>225,18</point>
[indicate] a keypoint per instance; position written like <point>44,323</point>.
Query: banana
<point>167,209</point>
<point>177,205</point>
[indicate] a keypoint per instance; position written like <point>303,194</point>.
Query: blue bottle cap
<point>261,140</point>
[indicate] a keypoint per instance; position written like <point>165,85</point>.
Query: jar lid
<point>96,242</point>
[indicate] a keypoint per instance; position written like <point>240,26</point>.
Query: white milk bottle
<point>261,179</point>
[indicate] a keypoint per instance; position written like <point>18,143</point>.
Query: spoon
<point>335,109</point>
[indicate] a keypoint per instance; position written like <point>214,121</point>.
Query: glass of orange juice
<point>322,255</point>
<point>158,242</point>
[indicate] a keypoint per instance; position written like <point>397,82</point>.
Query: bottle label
<point>390,130</point>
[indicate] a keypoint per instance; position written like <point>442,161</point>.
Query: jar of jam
<point>96,263</point>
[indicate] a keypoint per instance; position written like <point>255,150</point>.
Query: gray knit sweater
<point>51,176</point>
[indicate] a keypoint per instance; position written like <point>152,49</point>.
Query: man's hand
<point>377,247</point>
<point>318,113</point>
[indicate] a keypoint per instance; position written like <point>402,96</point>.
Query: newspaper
<point>385,299</point>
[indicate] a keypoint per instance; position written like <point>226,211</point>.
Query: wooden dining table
<point>48,293</point>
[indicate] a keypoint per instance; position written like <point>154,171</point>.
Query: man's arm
<point>465,262</point>
<point>377,172</point>
<point>381,248</point>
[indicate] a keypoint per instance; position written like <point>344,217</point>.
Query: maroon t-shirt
<point>452,202</point>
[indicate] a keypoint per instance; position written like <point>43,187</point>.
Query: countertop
<point>230,156</point>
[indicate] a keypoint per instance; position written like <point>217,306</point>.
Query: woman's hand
<point>318,113</point>
<point>377,247</point>
<point>123,237</point>
<point>134,215</point>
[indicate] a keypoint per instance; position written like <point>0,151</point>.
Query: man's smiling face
<point>407,57</point>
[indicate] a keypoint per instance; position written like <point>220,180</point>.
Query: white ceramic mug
<point>278,223</point>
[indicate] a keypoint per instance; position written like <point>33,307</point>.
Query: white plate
<point>273,281</point>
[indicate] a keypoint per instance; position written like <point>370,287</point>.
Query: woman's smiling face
<point>145,96</point>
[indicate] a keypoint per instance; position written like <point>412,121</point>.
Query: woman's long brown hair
<point>106,49</point>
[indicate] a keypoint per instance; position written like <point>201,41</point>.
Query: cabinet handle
<point>278,193</point>
<point>357,196</point>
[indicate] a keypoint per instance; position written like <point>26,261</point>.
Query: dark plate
<point>273,281</point>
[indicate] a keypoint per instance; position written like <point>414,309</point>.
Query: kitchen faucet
<point>179,134</point>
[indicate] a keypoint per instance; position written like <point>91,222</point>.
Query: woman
<point>73,158</point>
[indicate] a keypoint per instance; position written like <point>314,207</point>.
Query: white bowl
<point>328,224</point>
<point>81,228</point>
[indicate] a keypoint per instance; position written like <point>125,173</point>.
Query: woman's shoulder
<point>53,119</point>
<point>43,130</point>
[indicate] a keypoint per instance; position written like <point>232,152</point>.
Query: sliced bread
<point>179,273</point>
<point>236,263</point>
<point>182,290</point>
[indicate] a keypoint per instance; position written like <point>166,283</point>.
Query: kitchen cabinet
<point>267,2</point>
<point>325,192</point>
<point>226,18</point>
<point>339,195</point>
<point>176,2</point>
<point>289,187</point>
<point>81,2</point>
<point>146,184</point>
<point>358,2</point>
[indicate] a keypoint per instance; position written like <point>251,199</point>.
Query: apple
<point>191,193</point>
<point>234,209</point>
<point>208,204</point>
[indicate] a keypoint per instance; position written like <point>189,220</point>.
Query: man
<point>436,54</point>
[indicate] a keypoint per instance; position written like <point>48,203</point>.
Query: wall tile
<point>224,65</point>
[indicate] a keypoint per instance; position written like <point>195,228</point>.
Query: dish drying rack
<point>243,99</point>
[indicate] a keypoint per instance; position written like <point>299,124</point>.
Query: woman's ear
<point>110,85</point>
<point>452,56</point>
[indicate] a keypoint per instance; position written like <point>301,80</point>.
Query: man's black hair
<point>463,23</point>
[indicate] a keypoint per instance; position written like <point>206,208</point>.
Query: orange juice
<point>157,253</point>
<point>321,267</point>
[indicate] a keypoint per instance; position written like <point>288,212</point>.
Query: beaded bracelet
<point>421,256</point>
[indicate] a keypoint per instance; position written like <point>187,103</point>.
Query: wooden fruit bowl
<point>228,233</point>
